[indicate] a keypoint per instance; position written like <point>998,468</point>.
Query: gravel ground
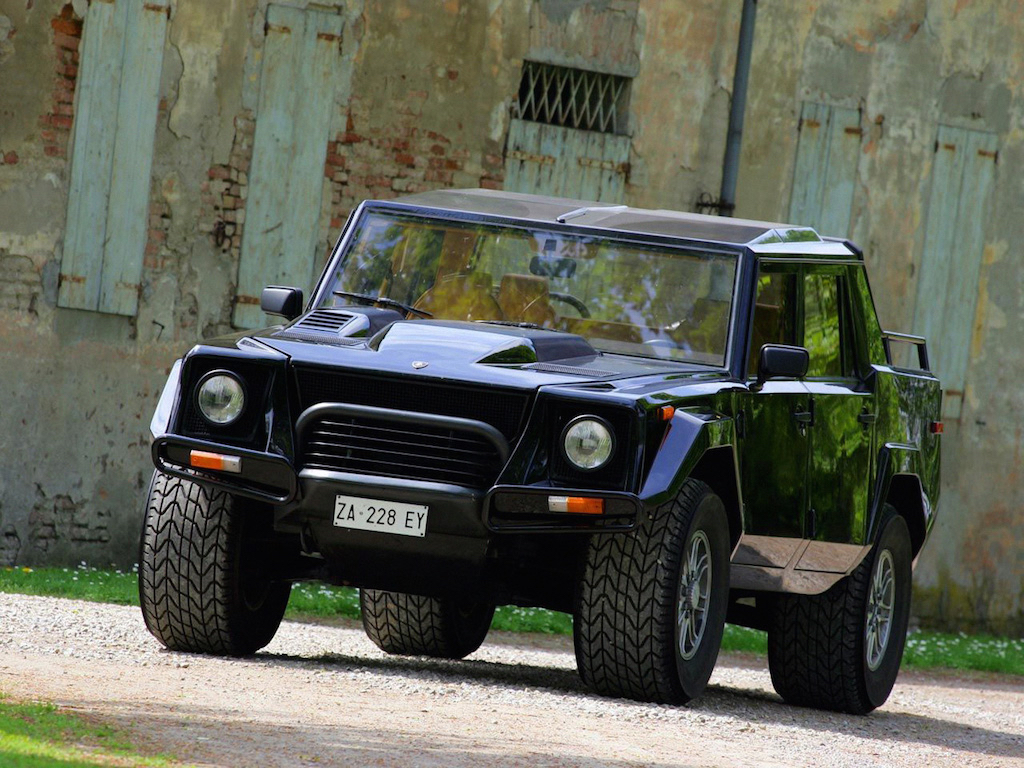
<point>324,695</point>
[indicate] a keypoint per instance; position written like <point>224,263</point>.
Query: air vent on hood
<point>323,325</point>
<point>572,370</point>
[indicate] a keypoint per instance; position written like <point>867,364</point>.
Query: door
<point>843,408</point>
<point>775,445</point>
<point>301,67</point>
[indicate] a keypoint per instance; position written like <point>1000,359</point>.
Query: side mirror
<point>779,361</point>
<point>279,300</point>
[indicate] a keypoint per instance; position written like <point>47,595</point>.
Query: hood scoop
<point>327,326</point>
<point>340,326</point>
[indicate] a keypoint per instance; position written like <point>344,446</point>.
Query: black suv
<point>656,421</point>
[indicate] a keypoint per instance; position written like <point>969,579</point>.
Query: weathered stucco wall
<point>423,100</point>
<point>911,65</point>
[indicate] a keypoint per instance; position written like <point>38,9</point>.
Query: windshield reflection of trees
<point>624,297</point>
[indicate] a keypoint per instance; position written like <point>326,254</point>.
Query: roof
<point>694,226</point>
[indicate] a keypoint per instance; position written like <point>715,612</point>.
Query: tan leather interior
<point>524,298</point>
<point>458,293</point>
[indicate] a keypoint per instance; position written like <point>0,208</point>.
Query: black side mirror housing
<point>280,300</point>
<point>780,361</point>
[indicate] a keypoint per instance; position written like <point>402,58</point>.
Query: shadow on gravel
<point>768,710</point>
<point>435,670</point>
<point>756,707</point>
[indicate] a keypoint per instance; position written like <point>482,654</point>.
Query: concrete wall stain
<point>423,101</point>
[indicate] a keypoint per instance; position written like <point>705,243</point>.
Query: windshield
<point>623,297</point>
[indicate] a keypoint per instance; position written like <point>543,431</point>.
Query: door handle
<point>867,419</point>
<point>804,419</point>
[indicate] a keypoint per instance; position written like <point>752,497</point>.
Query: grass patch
<point>42,736</point>
<point>313,600</point>
<point>82,583</point>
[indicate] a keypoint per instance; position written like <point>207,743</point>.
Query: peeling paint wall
<point>424,100</point>
<point>909,66</point>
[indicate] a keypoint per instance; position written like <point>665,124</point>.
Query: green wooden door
<point>112,155</point>
<point>825,173</point>
<point>301,67</point>
<point>947,290</point>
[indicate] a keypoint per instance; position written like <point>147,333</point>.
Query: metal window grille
<point>574,98</point>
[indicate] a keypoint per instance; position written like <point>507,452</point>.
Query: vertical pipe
<point>730,169</point>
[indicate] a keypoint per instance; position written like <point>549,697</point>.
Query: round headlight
<point>588,443</point>
<point>220,398</point>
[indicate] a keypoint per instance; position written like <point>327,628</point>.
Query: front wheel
<point>651,606</point>
<point>202,577</point>
<point>841,650</point>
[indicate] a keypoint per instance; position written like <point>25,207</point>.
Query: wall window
<point>568,134</point>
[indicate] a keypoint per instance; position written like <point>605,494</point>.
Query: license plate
<point>381,516</point>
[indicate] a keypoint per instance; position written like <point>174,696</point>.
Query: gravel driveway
<point>324,695</point>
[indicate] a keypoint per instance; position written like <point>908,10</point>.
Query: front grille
<point>400,450</point>
<point>501,408</point>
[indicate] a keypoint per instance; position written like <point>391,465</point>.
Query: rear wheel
<point>202,574</point>
<point>412,625</point>
<point>841,650</point>
<point>651,607</point>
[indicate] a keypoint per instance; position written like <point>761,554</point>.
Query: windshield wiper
<point>367,299</point>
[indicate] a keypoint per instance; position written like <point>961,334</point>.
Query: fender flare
<point>702,445</point>
<point>898,482</point>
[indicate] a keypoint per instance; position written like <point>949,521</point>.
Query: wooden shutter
<point>566,162</point>
<point>301,65</point>
<point>115,121</point>
<point>947,291</point>
<point>825,174</point>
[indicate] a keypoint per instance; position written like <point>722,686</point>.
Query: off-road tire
<point>411,625</point>
<point>625,629</point>
<point>197,594</point>
<point>816,644</point>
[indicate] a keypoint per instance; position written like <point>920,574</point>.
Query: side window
<point>822,336</point>
<point>774,312</point>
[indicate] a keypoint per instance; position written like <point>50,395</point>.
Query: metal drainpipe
<point>731,167</point>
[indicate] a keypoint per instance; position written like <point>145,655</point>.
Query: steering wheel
<point>572,301</point>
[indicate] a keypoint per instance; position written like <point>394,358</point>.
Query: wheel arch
<point>717,468</point>
<point>700,446</point>
<point>905,494</point>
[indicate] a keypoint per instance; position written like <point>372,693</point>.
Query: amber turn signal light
<point>207,460</point>
<point>576,505</point>
<point>666,412</point>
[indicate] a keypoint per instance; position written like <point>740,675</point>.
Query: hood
<point>518,356</point>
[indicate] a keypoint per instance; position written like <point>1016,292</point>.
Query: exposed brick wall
<point>19,283</point>
<point>408,157</point>
<point>56,124</point>
<point>226,190</point>
<point>62,520</point>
